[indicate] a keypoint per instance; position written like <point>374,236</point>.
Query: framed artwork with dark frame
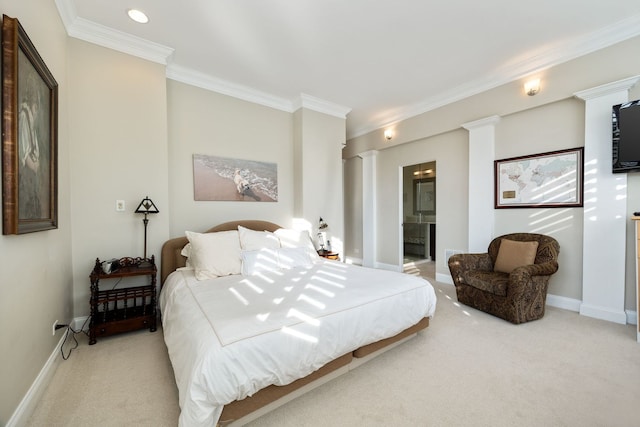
<point>29,135</point>
<point>545,180</point>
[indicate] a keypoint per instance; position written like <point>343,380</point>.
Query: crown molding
<point>107,37</point>
<point>101,35</point>
<point>321,106</point>
<point>225,87</point>
<point>92,32</point>
<point>580,46</point>
<point>246,93</point>
<point>67,12</point>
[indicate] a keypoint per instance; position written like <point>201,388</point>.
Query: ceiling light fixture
<point>138,16</point>
<point>532,87</point>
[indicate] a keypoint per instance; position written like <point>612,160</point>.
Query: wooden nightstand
<point>116,310</point>
<point>329,255</point>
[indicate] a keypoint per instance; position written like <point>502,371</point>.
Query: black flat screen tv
<point>626,137</point>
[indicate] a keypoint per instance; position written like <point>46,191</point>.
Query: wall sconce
<point>388,134</point>
<point>146,207</point>
<point>532,87</point>
<point>138,16</point>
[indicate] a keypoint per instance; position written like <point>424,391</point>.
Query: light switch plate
<point>120,205</point>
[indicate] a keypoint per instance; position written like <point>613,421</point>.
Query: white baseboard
<point>571,304</point>
<point>603,313</point>
<point>40,384</point>
<point>352,260</point>
<point>564,303</point>
<point>632,317</point>
<point>391,267</point>
<point>444,278</point>
<point>78,322</point>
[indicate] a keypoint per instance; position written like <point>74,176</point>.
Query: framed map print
<point>546,180</point>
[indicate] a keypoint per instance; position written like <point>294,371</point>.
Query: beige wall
<point>204,122</point>
<point>555,126</point>
<point>305,146</point>
<point>119,150</point>
<point>35,269</point>
<point>450,152</point>
<point>551,120</point>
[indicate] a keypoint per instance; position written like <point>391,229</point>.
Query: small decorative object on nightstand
<point>146,207</point>
<point>329,255</point>
<point>116,310</point>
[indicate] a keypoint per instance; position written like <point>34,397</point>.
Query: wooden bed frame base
<point>243,411</point>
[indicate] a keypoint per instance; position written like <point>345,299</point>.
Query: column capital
<point>321,106</point>
<point>487,121</point>
<point>369,153</point>
<point>607,89</point>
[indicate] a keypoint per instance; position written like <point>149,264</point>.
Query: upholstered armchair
<point>510,281</point>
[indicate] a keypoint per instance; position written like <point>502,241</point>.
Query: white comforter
<point>232,336</point>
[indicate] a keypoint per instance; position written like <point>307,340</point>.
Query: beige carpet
<point>466,369</point>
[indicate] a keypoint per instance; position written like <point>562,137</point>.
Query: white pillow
<point>290,238</point>
<point>252,240</point>
<point>186,252</point>
<point>215,254</point>
<point>272,260</point>
<point>263,260</point>
<point>294,257</point>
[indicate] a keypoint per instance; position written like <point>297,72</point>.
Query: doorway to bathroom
<point>419,213</point>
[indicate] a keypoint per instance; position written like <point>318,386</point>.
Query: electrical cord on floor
<point>73,335</point>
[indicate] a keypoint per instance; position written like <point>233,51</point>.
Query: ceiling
<point>377,62</point>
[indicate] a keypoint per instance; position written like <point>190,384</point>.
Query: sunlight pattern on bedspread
<point>263,304</point>
<point>278,327</point>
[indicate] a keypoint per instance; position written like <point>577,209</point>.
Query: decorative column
<point>319,130</point>
<point>369,221</point>
<point>481,185</point>
<point>605,207</point>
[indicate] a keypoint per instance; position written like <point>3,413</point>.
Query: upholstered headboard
<point>172,259</point>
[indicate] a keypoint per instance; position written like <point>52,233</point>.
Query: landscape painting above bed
<point>226,179</point>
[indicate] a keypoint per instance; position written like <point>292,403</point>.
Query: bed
<point>246,335</point>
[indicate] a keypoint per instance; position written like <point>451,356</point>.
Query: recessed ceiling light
<point>138,16</point>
